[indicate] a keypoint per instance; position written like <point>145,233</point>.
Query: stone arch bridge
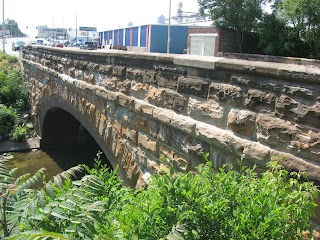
<point>149,111</point>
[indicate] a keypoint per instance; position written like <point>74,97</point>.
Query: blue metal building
<point>148,38</point>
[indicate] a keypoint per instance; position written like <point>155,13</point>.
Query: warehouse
<point>147,38</point>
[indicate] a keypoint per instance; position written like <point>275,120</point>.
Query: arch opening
<point>61,130</point>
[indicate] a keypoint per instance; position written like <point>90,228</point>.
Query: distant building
<point>184,17</point>
<point>147,38</point>
<point>52,33</point>
<point>161,20</point>
<point>214,41</point>
<point>82,36</point>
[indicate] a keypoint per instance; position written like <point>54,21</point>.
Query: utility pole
<point>53,30</point>
<point>76,29</point>
<point>168,43</point>
<point>3,30</point>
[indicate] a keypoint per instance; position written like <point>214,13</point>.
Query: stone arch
<point>56,103</point>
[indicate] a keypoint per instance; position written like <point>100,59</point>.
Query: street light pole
<point>3,31</point>
<point>76,29</point>
<point>168,43</point>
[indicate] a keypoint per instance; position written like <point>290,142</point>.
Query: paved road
<point>8,47</point>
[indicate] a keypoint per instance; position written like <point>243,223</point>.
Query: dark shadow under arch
<point>58,121</point>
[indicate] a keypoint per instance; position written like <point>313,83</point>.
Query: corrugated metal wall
<point>135,32</point>
<point>128,41</point>
<point>143,36</point>
<point>159,38</point>
<point>152,37</point>
<point>107,37</point>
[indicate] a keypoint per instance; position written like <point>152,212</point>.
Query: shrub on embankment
<point>13,97</point>
<point>227,204</point>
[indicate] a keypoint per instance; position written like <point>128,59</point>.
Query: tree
<point>304,17</point>
<point>240,15</point>
<point>277,38</point>
<point>13,28</point>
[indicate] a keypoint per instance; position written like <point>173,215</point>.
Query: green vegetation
<point>13,97</point>
<point>13,91</point>
<point>241,16</point>
<point>8,117</point>
<point>20,133</point>
<point>13,28</point>
<point>227,204</point>
<point>291,29</point>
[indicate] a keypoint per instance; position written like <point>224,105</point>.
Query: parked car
<point>17,44</point>
<point>98,45</point>
<point>89,46</point>
<point>56,44</point>
<point>59,44</point>
<point>66,43</point>
<point>78,44</point>
<point>40,42</point>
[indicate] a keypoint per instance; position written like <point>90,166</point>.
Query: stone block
<point>156,96</point>
<point>119,71</point>
<point>149,143</point>
<point>124,116</point>
<point>111,84</point>
<point>130,133</point>
<point>257,101</point>
<point>179,160</point>
<point>193,86</point>
<point>128,163</point>
<point>134,74</point>
<point>139,90</point>
<point>182,123</point>
<point>175,101</point>
<point>257,153</point>
<point>207,111</point>
<point>289,109</point>
<point>147,125</point>
<point>106,69</point>
<point>124,86</point>
<point>102,124</point>
<point>166,80</point>
<point>126,101</point>
<point>226,93</point>
<point>214,136</point>
<point>149,77</point>
<point>242,122</point>
<point>275,132</point>
<point>143,107</point>
<point>293,163</point>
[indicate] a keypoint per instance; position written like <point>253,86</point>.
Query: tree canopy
<point>240,15</point>
<point>13,28</point>
<point>291,29</point>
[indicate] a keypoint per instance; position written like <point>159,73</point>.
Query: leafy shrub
<point>20,133</point>
<point>12,59</point>
<point>13,90</point>
<point>223,205</point>
<point>8,117</point>
<point>202,205</point>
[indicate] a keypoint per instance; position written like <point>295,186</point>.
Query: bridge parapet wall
<point>151,107</point>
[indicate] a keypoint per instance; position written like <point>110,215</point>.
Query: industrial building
<point>148,38</point>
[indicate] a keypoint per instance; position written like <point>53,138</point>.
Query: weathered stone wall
<point>148,107</point>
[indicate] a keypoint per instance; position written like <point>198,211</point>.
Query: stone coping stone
<point>286,71</point>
